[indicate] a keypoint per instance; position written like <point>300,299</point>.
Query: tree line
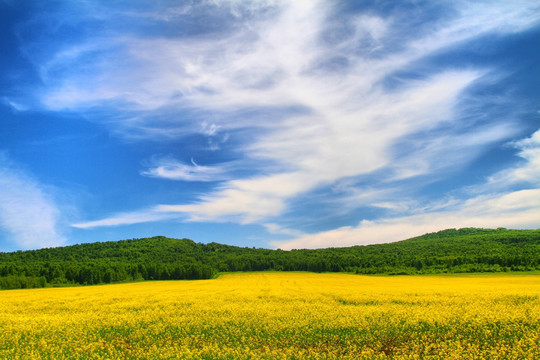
<point>162,258</point>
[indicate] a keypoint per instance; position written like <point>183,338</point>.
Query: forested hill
<point>161,258</point>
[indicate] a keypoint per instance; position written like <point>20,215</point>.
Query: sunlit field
<point>278,316</point>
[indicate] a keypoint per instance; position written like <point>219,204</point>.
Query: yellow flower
<point>278,316</point>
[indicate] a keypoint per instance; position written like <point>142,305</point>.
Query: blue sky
<point>278,124</point>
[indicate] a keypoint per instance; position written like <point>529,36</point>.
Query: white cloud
<point>172,169</point>
<point>530,151</point>
<point>446,152</point>
<point>524,174</point>
<point>498,206</point>
<point>27,210</point>
<point>347,120</point>
<point>128,218</point>
<point>529,171</point>
<point>519,209</point>
<point>14,104</point>
<point>479,18</point>
<point>323,149</point>
<point>278,229</point>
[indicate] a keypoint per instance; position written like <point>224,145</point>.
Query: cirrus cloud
<point>302,96</point>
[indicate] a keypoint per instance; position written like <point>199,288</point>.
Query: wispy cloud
<point>128,218</point>
<point>14,104</point>
<point>519,209</point>
<point>27,210</point>
<point>528,172</point>
<point>494,205</point>
<point>315,96</point>
<point>167,168</point>
<point>494,208</point>
<point>278,229</point>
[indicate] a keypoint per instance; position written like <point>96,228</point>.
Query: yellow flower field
<point>278,316</point>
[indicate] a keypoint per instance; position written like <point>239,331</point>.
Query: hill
<point>161,258</point>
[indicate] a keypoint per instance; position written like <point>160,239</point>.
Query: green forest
<point>161,258</point>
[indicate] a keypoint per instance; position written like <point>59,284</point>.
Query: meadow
<point>277,315</point>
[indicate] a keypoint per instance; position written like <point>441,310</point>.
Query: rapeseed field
<point>278,316</point>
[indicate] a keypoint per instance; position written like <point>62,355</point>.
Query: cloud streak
<point>172,169</point>
<point>128,218</point>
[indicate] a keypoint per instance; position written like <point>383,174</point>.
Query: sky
<point>266,123</point>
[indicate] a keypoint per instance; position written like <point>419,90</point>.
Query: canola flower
<point>278,316</point>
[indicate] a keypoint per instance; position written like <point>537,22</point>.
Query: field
<point>278,316</point>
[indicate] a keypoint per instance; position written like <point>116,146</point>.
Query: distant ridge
<point>161,258</point>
